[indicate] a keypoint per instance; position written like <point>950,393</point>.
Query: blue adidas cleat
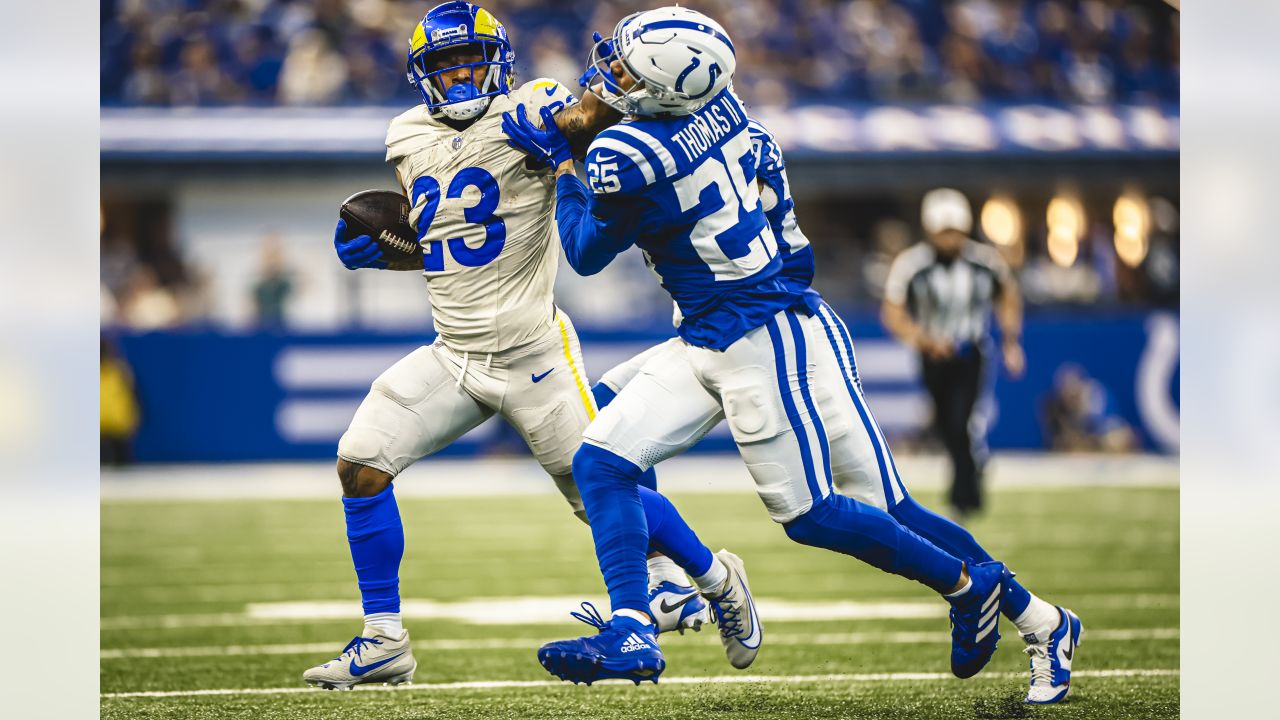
<point>975,618</point>
<point>625,649</point>
<point>1051,660</point>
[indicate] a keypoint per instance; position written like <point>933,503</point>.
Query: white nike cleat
<point>678,607</point>
<point>1051,659</point>
<point>735,612</point>
<point>373,657</point>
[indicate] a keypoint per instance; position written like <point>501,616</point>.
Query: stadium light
<point>1065,219</point>
<point>1002,221</point>
<point>1132,219</point>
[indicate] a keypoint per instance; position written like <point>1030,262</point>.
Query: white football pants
<point>791,394</point>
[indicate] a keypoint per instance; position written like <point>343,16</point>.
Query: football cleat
<point>735,612</point>
<point>626,649</point>
<point>372,657</point>
<point>678,607</point>
<point>1051,660</point>
<point>975,618</point>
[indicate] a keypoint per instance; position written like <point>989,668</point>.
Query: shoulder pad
<point>765,146</point>
<point>624,158</point>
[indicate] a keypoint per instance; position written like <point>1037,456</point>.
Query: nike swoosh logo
<point>604,158</point>
<point>359,670</point>
<point>664,607</point>
<point>1070,649</point>
<point>751,641</point>
<point>538,378</point>
<point>551,91</point>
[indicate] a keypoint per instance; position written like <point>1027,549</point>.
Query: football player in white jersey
<point>483,213</point>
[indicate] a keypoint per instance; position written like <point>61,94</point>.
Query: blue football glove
<point>357,252</point>
<point>546,145</point>
<point>606,53</point>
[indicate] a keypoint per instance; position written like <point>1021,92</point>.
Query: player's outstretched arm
<point>593,229</point>
<point>580,123</point>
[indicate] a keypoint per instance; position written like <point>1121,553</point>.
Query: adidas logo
<point>634,642</point>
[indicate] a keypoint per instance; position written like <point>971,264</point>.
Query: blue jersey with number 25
<point>684,191</point>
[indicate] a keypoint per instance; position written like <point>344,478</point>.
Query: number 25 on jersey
<point>482,213</point>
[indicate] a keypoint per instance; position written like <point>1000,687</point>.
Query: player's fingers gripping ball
<point>357,252</point>
<point>546,144</point>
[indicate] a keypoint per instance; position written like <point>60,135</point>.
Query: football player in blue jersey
<point>756,347</point>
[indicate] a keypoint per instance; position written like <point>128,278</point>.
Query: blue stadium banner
<point>806,130</point>
<point>214,396</point>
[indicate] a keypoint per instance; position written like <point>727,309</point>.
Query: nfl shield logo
<point>457,142</point>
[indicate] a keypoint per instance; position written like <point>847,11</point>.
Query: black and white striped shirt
<point>953,299</point>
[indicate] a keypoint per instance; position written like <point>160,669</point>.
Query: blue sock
<point>376,538</point>
<point>870,534</point>
<point>671,536</point>
<point>959,542</point>
<point>611,497</point>
<point>605,395</point>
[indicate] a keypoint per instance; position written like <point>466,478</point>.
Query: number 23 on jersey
<point>482,213</point>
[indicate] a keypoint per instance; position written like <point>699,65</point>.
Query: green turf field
<point>179,578</point>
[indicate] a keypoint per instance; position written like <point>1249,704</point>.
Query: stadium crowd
<point>324,52</point>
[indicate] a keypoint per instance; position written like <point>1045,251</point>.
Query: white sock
<point>634,615</point>
<point>714,577</point>
<point>388,623</point>
<point>664,569</point>
<point>1039,619</point>
<point>968,583</point>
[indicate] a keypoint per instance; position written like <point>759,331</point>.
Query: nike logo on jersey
<point>664,607</point>
<point>551,90</point>
<point>359,670</point>
<point>538,378</point>
<point>604,158</point>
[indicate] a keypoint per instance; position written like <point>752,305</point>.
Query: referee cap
<point>946,209</point>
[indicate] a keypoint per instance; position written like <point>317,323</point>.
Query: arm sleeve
<point>593,230</point>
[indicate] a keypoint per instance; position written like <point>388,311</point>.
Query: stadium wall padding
<point>210,396</point>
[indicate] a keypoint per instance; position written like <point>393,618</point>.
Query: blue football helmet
<point>452,27</point>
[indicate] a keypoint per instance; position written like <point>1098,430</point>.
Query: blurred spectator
<point>1079,417</point>
<point>148,305</point>
<point>313,73</point>
<point>158,52</point>
<point>274,286</point>
<point>118,406</point>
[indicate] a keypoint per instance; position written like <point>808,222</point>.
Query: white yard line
<point>555,611</point>
<point>858,638</point>
<point>717,679</point>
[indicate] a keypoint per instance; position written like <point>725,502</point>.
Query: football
<point>384,216</point>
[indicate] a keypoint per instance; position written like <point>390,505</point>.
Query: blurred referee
<point>938,299</point>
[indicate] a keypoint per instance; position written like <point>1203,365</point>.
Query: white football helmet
<point>679,58</point>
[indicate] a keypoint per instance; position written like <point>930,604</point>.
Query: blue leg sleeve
<point>959,542</point>
<point>611,497</point>
<point>604,395</point>
<point>870,534</point>
<point>376,538</point>
<point>670,535</point>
